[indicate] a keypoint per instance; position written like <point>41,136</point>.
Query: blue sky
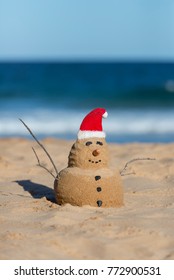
<point>87,29</point>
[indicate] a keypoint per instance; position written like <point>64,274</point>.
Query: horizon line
<point>86,60</point>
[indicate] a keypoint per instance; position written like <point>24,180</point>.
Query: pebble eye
<point>99,143</point>
<point>88,143</point>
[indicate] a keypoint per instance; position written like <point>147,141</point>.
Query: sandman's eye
<point>88,143</point>
<point>99,143</point>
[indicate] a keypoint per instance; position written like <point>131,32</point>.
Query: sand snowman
<point>88,179</point>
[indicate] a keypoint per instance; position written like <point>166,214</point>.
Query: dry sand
<point>32,226</point>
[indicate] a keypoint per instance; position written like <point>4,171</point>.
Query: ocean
<point>53,98</point>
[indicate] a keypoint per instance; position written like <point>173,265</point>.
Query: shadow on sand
<point>37,190</point>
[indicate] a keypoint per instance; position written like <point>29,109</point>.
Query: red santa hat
<point>91,125</point>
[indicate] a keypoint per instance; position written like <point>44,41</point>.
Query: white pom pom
<point>105,115</point>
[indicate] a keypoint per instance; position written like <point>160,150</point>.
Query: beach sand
<point>33,226</point>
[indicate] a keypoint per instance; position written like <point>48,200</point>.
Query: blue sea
<point>53,98</point>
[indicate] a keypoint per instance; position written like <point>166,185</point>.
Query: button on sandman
<point>97,178</point>
<point>99,203</point>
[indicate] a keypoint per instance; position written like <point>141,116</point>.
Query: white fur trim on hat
<point>90,134</point>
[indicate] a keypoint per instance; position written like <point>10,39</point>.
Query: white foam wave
<point>57,122</point>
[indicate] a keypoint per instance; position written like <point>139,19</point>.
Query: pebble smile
<point>92,161</point>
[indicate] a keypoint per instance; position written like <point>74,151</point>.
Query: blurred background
<point>59,59</point>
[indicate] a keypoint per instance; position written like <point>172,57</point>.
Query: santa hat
<point>91,125</point>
